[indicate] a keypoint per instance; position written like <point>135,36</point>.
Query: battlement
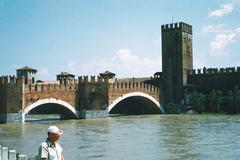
<point>133,79</point>
<point>39,87</point>
<point>177,26</point>
<point>209,71</point>
<point>132,85</point>
<point>6,80</point>
<point>69,82</point>
<point>90,79</point>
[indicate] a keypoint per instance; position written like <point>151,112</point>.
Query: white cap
<point>55,130</point>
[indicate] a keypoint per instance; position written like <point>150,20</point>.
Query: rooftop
<point>26,68</point>
<point>65,74</point>
<point>107,73</point>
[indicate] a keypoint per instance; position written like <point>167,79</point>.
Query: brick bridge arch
<point>128,90</point>
<point>50,101</point>
<point>133,94</point>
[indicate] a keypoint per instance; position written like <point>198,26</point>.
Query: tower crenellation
<point>93,79</point>
<point>173,26</point>
<point>80,79</point>
<point>90,79</point>
<point>185,27</point>
<point>6,80</point>
<point>85,79</point>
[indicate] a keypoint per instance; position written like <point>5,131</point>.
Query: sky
<point>88,37</point>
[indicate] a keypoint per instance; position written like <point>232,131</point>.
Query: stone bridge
<point>76,98</point>
<point>132,96</point>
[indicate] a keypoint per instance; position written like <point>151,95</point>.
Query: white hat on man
<point>55,130</point>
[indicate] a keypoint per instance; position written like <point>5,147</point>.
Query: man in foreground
<point>51,149</point>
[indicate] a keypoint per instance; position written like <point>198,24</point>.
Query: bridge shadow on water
<point>129,115</point>
<point>41,120</point>
<point>42,117</point>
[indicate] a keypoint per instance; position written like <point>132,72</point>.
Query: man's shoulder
<point>44,144</point>
<point>57,144</point>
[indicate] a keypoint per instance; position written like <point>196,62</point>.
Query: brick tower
<point>65,78</point>
<point>28,73</point>
<point>176,60</point>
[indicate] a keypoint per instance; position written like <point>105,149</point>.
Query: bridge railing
<point>6,154</point>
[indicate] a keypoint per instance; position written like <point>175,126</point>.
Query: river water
<point>145,137</point>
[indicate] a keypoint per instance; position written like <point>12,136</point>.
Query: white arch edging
<point>136,94</point>
<point>49,100</point>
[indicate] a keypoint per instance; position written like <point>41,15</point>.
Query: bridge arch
<point>48,101</point>
<point>133,94</point>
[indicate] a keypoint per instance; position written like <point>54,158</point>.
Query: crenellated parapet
<point>207,79</point>
<point>120,87</point>
<point>214,71</point>
<point>132,86</point>
<point>11,80</point>
<point>90,79</point>
<point>41,87</point>
<point>73,81</point>
<point>174,26</point>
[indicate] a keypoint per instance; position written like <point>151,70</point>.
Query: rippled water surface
<point>147,137</point>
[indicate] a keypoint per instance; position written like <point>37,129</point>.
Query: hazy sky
<point>87,37</point>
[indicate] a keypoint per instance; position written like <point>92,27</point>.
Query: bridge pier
<point>84,114</point>
<point>89,114</point>
<point>12,117</point>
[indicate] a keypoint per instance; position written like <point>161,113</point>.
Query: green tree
<point>213,101</point>
<point>236,98</point>
<point>197,101</point>
<point>228,103</point>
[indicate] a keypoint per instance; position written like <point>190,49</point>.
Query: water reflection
<point>178,139</point>
<point>86,138</point>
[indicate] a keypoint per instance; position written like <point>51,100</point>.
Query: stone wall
<point>89,114</point>
<point>11,99</point>
<point>118,89</point>
<point>68,95</point>
<point>207,79</point>
<point>93,95</point>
